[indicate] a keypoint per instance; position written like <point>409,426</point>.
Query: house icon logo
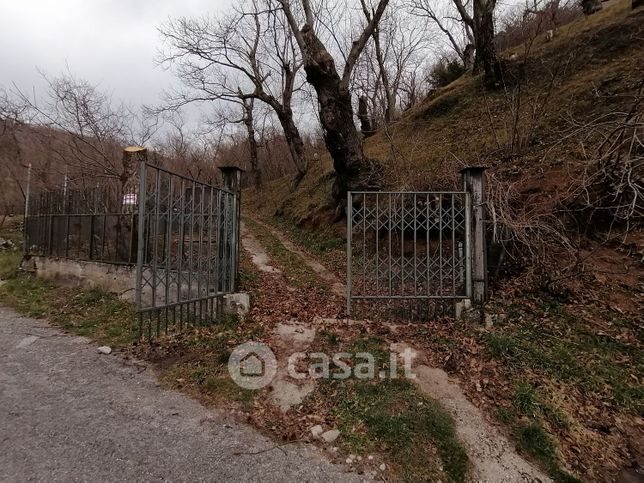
<point>252,365</point>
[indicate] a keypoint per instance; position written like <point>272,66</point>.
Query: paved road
<point>68,413</point>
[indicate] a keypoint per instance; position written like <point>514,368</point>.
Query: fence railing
<point>180,234</point>
<point>90,224</point>
<point>187,248</point>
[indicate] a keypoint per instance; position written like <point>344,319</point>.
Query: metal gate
<point>408,246</point>
<point>187,255</point>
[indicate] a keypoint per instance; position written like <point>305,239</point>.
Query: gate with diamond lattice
<point>416,246</point>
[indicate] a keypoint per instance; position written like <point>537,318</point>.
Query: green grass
<point>391,417</point>
<point>556,344</point>
<point>91,313</point>
<point>9,263</point>
<point>318,243</point>
<point>297,271</point>
<point>208,379</point>
<point>535,441</point>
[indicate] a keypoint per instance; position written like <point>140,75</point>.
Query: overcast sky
<point>107,42</point>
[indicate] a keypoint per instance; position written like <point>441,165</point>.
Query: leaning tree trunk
<point>249,122</point>
<point>486,57</point>
<point>294,142</point>
<point>343,141</point>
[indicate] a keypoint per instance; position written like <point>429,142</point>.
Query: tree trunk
<point>249,122</point>
<point>294,142</point>
<point>366,123</point>
<point>468,58</point>
<point>486,57</point>
<point>591,6</point>
<point>343,141</point>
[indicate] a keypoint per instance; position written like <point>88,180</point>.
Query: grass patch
<point>392,418</point>
<point>555,344</point>
<point>91,313</point>
<point>297,271</point>
<point>208,379</point>
<point>9,263</point>
<point>535,441</point>
<point>318,243</point>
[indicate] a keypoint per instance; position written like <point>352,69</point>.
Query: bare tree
<point>443,14</point>
<point>353,169</point>
<point>91,129</point>
<point>391,62</point>
<point>246,56</point>
<point>481,22</point>
<point>472,25</point>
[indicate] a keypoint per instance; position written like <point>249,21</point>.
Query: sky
<point>111,43</point>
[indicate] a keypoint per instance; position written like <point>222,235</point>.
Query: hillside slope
<point>562,364</point>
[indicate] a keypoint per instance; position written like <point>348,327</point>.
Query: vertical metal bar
<point>210,223</point>
<point>102,255</point>
<point>218,244</point>
<point>191,239</point>
<point>468,245</point>
<point>200,246</point>
<point>402,245</point>
<point>453,246</point>
<point>415,246</point>
<point>181,248</point>
<point>364,243</point>
<point>91,236</point>
<point>25,236</point>
<point>377,245</point>
<point>389,230</point>
<point>428,224</point>
<point>168,248</point>
<point>440,244</point>
<point>140,249</point>
<point>349,262</point>
<point>155,238</point>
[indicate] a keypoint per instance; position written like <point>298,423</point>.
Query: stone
<point>331,436</point>
<point>105,350</point>
<point>461,308</point>
<point>349,461</point>
<point>489,321</point>
<point>237,304</point>
<point>383,467</point>
<point>317,431</point>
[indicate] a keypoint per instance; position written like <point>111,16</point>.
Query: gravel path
<point>69,413</point>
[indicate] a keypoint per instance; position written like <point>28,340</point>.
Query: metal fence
<point>181,235</point>
<point>92,224</point>
<point>408,246</point>
<point>187,250</point>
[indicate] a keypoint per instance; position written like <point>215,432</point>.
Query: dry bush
<point>609,191</point>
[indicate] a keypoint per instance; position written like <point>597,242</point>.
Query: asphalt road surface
<point>68,413</point>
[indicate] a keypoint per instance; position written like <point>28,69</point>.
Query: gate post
<point>232,182</point>
<point>474,183</point>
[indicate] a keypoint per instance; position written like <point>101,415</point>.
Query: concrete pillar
<point>474,183</point>
<point>232,182</point>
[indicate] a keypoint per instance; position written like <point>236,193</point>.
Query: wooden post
<point>474,183</point>
<point>232,182</point>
